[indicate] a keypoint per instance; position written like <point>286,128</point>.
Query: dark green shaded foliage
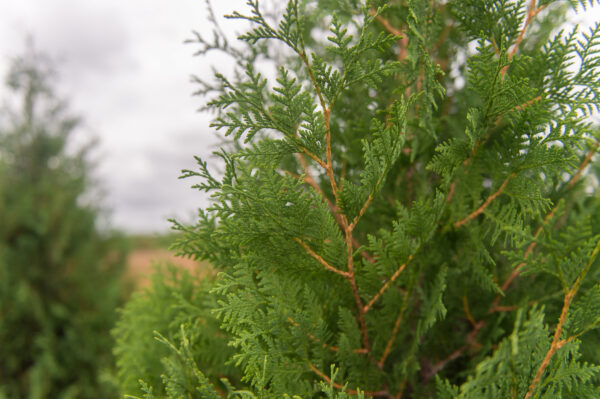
<point>60,276</point>
<point>411,212</point>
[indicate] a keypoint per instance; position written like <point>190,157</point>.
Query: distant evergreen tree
<point>60,276</point>
<point>405,210</point>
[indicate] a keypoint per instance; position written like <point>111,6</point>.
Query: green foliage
<point>174,308</point>
<point>60,274</point>
<point>405,208</point>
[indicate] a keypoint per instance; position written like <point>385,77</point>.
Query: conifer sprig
<point>378,210</point>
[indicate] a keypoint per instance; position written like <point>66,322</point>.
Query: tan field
<point>141,263</point>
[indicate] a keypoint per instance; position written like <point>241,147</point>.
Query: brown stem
<point>583,165</point>
<point>348,229</point>
<point>531,13</point>
<point>350,392</point>
<point>320,259</point>
<point>436,368</point>
<point>386,285</point>
<point>386,24</point>
<point>487,202</point>
<point>390,343</point>
<point>352,279</point>
<point>557,342</point>
<point>549,216</point>
<point>396,32</point>
<point>468,311</point>
<point>332,348</point>
<point>335,211</point>
<point>497,308</point>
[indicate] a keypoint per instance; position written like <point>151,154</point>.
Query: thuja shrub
<point>60,274</point>
<point>408,206</point>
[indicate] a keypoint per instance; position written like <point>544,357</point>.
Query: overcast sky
<point>123,67</point>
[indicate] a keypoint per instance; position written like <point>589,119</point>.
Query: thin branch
<point>329,170</point>
<point>386,24</point>
<point>332,348</point>
<point>390,343</point>
<point>436,368</point>
<point>487,202</point>
<point>583,165</point>
<point>350,392</point>
<point>352,279</point>
<point>557,342</point>
<point>549,216</point>
<point>495,307</point>
<point>386,285</point>
<point>396,32</point>
<point>531,13</point>
<point>335,211</point>
<point>361,212</point>
<point>468,311</point>
<point>320,259</point>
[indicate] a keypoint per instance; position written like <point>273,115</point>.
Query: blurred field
<point>148,251</point>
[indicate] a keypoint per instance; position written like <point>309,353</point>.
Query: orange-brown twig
<point>487,202</point>
<point>320,259</point>
<point>392,339</point>
<point>495,307</point>
<point>328,166</point>
<point>386,24</point>
<point>549,216</point>
<point>583,165</point>
<point>351,392</point>
<point>352,279</point>
<point>557,342</point>
<point>331,348</point>
<point>531,13</point>
<point>335,211</point>
<point>468,311</point>
<point>386,285</point>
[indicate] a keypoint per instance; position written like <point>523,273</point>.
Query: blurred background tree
<point>60,272</point>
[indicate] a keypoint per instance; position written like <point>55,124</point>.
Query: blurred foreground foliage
<point>60,272</point>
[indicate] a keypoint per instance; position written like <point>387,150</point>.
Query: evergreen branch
<point>335,211</point>
<point>396,32</point>
<point>583,165</point>
<point>331,348</point>
<point>392,339</point>
<point>557,342</point>
<point>328,166</point>
<point>549,216</point>
<point>352,279</point>
<point>436,368</point>
<point>386,24</point>
<point>386,285</point>
<point>487,202</point>
<point>495,307</point>
<point>531,13</point>
<point>351,392</point>
<point>362,211</point>
<point>468,311</point>
<point>481,141</point>
<point>320,259</point>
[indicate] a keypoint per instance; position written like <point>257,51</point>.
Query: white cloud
<point>124,68</point>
